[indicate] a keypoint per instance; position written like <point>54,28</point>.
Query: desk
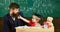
<point>34,29</point>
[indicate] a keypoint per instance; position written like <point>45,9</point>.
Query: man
<point>10,20</point>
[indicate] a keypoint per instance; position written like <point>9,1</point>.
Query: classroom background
<point>29,7</point>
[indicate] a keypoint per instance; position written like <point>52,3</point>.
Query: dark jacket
<point>9,24</point>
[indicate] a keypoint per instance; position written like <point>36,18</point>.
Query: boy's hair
<point>37,15</point>
<point>50,18</point>
<point>14,5</point>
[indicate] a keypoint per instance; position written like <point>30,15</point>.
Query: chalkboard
<point>29,7</point>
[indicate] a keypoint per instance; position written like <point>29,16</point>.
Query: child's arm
<point>20,17</point>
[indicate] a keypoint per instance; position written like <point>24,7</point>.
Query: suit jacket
<point>9,24</point>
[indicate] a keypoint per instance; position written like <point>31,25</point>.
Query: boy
<point>34,21</point>
<point>48,23</point>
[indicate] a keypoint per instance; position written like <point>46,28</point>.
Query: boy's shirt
<point>48,24</point>
<point>33,24</point>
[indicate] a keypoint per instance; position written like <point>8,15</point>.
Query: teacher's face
<point>14,12</point>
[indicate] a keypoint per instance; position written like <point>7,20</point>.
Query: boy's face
<point>35,18</point>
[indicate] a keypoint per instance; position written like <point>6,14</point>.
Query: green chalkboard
<point>28,7</point>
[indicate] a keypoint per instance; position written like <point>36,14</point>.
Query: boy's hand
<point>19,17</point>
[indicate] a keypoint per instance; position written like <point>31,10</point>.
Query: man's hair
<point>14,5</point>
<point>37,15</point>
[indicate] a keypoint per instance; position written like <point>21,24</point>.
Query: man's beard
<point>15,15</point>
